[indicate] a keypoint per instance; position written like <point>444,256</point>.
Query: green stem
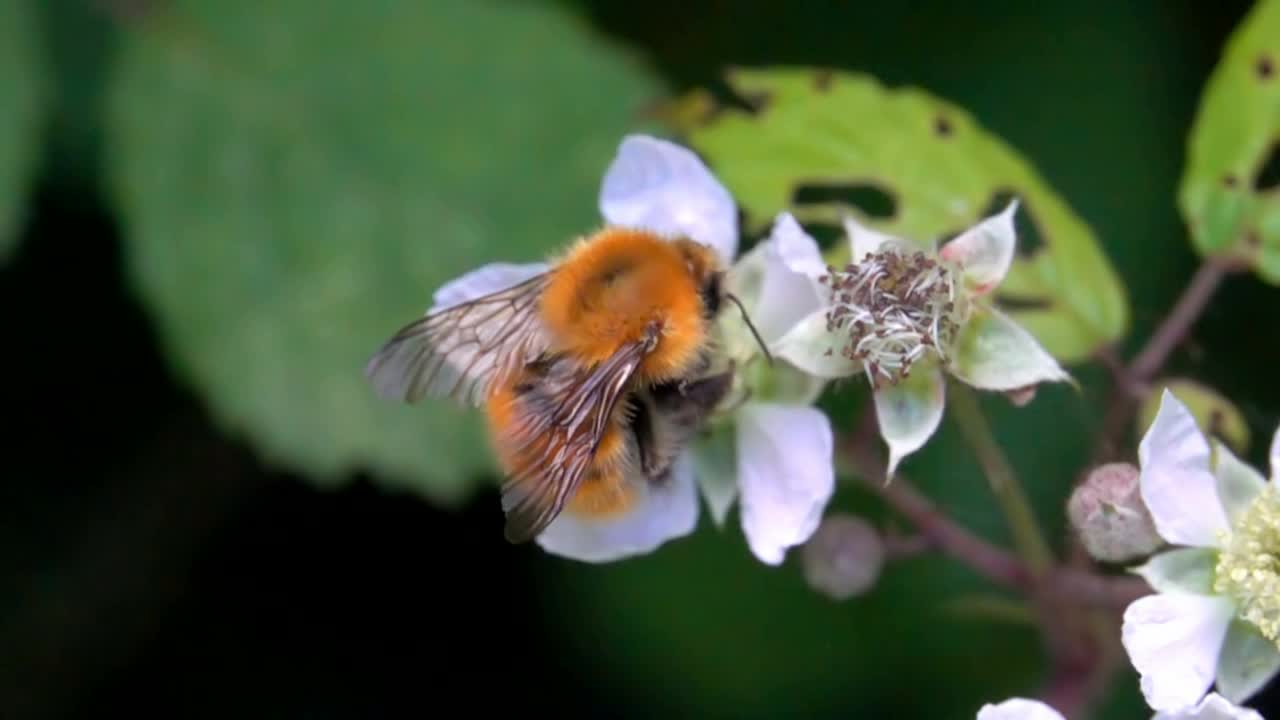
<point>1028,539</point>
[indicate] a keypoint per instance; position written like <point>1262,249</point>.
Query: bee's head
<point>708,273</point>
<point>707,270</point>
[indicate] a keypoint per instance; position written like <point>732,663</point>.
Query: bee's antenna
<point>754,332</point>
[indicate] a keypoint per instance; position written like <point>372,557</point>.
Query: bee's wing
<point>556,439</point>
<point>461,350</point>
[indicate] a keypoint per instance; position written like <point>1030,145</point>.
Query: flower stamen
<point>1248,567</point>
<point>895,308</point>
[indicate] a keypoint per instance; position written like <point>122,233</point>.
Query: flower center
<point>1249,566</point>
<point>895,307</point>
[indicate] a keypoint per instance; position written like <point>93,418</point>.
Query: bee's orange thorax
<point>611,287</point>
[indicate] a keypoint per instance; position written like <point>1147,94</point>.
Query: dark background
<point>149,562</point>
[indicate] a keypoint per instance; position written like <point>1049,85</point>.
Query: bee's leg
<point>688,401</point>
<point>687,387</point>
<point>643,433</point>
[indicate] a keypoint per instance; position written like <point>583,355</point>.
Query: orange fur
<point>611,286</point>
<point>503,410</point>
<point>604,293</point>
<point>604,494</point>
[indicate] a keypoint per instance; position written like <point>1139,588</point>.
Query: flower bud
<point>844,557</point>
<point>1021,397</point>
<point>1109,516</point>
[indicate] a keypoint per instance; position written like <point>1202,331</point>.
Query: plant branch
<point>1027,536</point>
<point>988,560</point>
<point>1132,380</point>
<point>1177,324</point>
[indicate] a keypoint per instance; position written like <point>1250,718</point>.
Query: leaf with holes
<point>822,144</point>
<point>297,178</point>
<point>22,96</point>
<point>1230,192</point>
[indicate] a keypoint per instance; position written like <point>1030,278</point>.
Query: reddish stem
<point>997,565</point>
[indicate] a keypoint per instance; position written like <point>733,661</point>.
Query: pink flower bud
<point>1109,516</point>
<point>844,557</point>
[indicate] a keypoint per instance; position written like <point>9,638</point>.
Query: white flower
<point>1216,612</point>
<point>1212,707</point>
<point>906,317</point>
<point>1019,709</point>
<point>770,449</point>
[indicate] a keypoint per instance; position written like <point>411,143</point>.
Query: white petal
<point>660,514</point>
<point>745,277</point>
<point>796,248</point>
<point>1177,486</point>
<point>909,412</point>
<point>786,475</point>
<point>1275,457</point>
<point>985,250</point>
<point>789,289</point>
<point>863,240</point>
<point>992,352</point>
<point>1248,662</point>
<point>1212,707</point>
<point>1238,484</point>
<point>484,280</point>
<point>1019,709</point>
<point>715,463</point>
<point>665,187</point>
<point>811,347</point>
<point>1173,641</point>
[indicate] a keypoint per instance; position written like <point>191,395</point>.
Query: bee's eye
<point>711,296</point>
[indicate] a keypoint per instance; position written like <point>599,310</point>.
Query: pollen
<point>1248,569</point>
<point>894,308</point>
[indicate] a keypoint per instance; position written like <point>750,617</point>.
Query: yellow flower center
<point>1248,569</point>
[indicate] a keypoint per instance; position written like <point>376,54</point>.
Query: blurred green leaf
<point>1215,414</point>
<point>822,144</point>
<point>296,179</point>
<point>22,98</point>
<point>1224,196</point>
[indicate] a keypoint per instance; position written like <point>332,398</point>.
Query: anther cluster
<point>894,307</point>
<point>1249,566</point>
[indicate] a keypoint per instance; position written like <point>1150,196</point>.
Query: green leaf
<point>1236,130</point>
<point>942,170</point>
<point>23,95</point>
<point>1215,414</point>
<point>297,178</point>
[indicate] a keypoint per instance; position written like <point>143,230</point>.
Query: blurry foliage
<point>825,144</point>
<point>1230,193</point>
<point>297,178</point>
<point>23,100</point>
